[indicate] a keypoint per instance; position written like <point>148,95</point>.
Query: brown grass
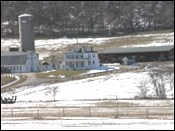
<point>7,79</point>
<point>121,41</point>
<point>66,73</point>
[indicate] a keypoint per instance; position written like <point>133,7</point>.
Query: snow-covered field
<point>86,92</point>
<point>159,40</point>
<point>162,39</point>
<point>88,124</point>
<point>112,86</point>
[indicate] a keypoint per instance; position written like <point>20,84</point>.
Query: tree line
<point>88,18</point>
<point>161,81</point>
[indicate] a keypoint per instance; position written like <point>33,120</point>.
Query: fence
<point>114,112</point>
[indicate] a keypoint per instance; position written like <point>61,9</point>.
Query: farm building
<point>18,61</point>
<point>137,54</point>
<point>81,58</point>
<point>24,59</point>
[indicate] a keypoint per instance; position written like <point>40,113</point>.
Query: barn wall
<point>171,54</point>
<point>140,57</point>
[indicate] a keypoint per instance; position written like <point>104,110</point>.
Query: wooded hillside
<point>88,18</point>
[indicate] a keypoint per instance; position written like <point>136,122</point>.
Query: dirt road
<point>31,80</point>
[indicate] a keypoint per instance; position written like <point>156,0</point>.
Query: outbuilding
<point>18,61</point>
<point>139,54</point>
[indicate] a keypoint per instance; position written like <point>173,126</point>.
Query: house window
<point>81,55</point>
<point>93,55</point>
<point>82,64</point>
<point>89,62</point>
<point>93,62</point>
<point>14,68</point>
<point>67,63</point>
<point>89,55</point>
<point>76,56</point>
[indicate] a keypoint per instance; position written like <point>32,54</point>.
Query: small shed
<point>125,61</point>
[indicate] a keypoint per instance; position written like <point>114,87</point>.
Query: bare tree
<point>88,18</point>
<point>171,77</point>
<point>53,91</point>
<point>143,88</point>
<point>158,81</point>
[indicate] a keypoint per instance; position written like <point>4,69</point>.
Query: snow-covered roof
<point>24,15</point>
<point>125,59</point>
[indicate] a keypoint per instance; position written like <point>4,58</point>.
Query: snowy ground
<point>86,92</point>
<point>74,93</point>
<point>160,39</point>
<point>112,86</point>
<point>88,124</point>
<point>54,44</point>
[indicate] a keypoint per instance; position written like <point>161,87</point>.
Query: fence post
<point>147,115</point>
<point>38,112</point>
<point>116,113</point>
<point>11,112</point>
<point>63,112</point>
<point>89,112</point>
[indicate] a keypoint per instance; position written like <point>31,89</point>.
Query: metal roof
<point>13,53</point>
<point>138,49</point>
<point>13,60</point>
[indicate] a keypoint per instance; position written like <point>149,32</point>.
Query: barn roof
<point>138,49</point>
<point>13,58</point>
<point>14,53</point>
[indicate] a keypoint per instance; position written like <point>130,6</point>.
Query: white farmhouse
<point>81,58</point>
<point>18,61</point>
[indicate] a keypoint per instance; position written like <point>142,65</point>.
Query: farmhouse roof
<point>81,50</point>
<point>138,49</point>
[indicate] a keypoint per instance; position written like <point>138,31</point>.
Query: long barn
<point>139,54</point>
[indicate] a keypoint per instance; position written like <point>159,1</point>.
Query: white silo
<point>26,32</point>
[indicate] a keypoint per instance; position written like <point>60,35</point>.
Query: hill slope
<point>45,47</point>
